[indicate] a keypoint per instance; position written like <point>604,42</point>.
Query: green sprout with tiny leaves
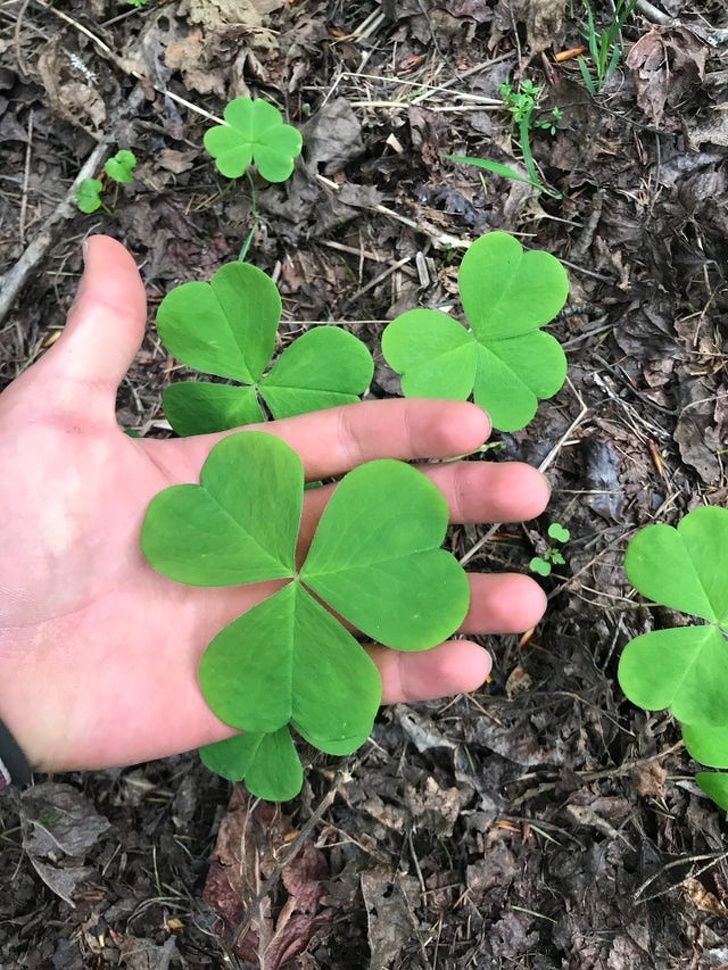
<point>227,328</point>
<point>502,356</point>
<point>685,669</point>
<point>375,560</point>
<point>521,103</point>
<point>119,169</point>
<point>552,555</point>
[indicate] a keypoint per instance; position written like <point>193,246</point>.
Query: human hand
<point>98,653</point>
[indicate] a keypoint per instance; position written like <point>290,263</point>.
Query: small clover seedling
<point>685,668</point>
<point>88,195</point>
<point>503,357</point>
<point>227,328</point>
<point>552,556</point>
<point>375,560</point>
<point>254,133</point>
<point>119,169</point>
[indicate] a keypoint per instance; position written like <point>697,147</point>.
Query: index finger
<point>333,441</point>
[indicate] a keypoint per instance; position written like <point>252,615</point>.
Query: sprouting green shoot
<point>604,45</point>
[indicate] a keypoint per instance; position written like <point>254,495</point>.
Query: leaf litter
<point>533,872</point>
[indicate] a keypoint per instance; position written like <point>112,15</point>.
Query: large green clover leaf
<point>684,669</point>
<point>504,359</point>
<point>708,745</point>
<point>375,559</point>
<point>288,647</point>
<point>227,328</point>
<point>254,133</point>
<point>715,786</point>
<point>267,763</point>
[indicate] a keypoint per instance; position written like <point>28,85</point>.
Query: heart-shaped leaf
<point>198,407</point>
<point>684,568</point>
<point>708,745</point>
<point>505,360</point>
<point>226,327</point>
<point>267,763</point>
<point>239,525</point>
<point>254,133</point>
<point>684,668</point>
<point>375,557</point>
<point>558,533</point>
<point>289,646</point>
<point>435,355</point>
<point>540,566</point>
<point>715,786</point>
<point>322,368</point>
<point>88,195</point>
<point>120,167</point>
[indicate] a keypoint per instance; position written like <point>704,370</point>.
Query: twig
<point>14,280</point>
<point>26,178</point>
<point>377,279</point>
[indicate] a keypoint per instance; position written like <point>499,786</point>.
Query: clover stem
<point>256,217</point>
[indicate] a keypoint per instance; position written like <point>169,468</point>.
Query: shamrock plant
<point>227,328</point>
<point>551,555</point>
<point>685,669</point>
<point>502,357</point>
<point>254,133</point>
<point>375,560</point>
<point>118,169</point>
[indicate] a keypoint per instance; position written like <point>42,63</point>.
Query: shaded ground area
<point>543,823</point>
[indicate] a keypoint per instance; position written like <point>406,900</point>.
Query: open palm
<point>98,653</point>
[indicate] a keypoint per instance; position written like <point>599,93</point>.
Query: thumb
<point>105,325</point>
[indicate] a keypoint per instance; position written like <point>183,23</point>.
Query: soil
<point>543,822</point>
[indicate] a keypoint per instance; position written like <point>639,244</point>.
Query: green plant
<point>119,169</point>
<point>604,45</point>
<point>139,4</point>
<point>552,555</point>
<point>375,560</point>
<point>685,668</point>
<point>254,133</point>
<point>503,357</point>
<point>227,328</point>
<point>522,105</point>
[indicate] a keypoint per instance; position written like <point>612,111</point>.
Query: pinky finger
<point>455,667</point>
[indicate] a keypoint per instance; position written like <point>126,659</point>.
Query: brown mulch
<point>543,823</point>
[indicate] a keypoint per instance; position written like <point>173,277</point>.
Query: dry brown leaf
<point>664,65</point>
<point>189,56</point>
<point>76,101</point>
<point>390,899</point>
<point>220,14</point>
<point>518,682</point>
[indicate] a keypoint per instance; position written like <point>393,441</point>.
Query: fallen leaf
<point>60,825</point>
<point>390,899</point>
<point>665,64</point>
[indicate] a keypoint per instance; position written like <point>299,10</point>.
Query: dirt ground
<point>543,823</point>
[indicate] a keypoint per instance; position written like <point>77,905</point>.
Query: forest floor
<point>543,822</point>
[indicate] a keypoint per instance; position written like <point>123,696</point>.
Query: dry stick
<point>545,464</point>
<point>15,278</point>
<point>26,179</point>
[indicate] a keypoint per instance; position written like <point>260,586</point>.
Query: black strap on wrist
<point>13,766</point>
